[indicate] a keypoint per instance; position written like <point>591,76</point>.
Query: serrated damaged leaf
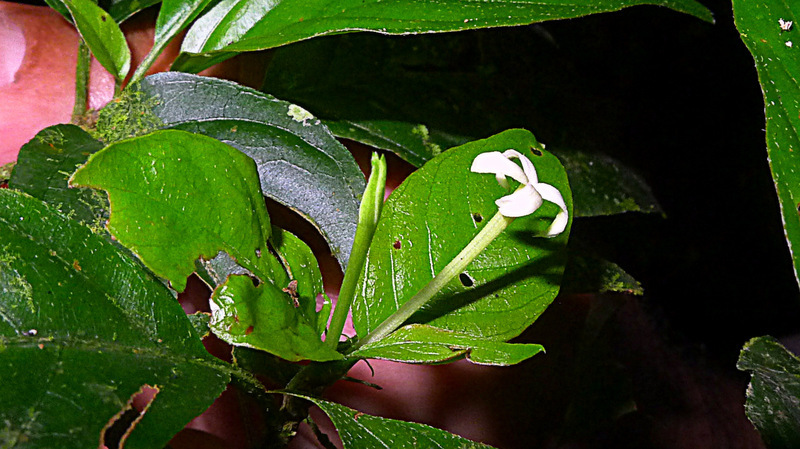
<point>176,197</point>
<point>84,327</point>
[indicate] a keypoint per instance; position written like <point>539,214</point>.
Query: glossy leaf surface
<point>177,196</point>
<point>264,317</point>
<point>246,25</point>
<point>45,164</point>
<point>300,163</point>
<point>773,392</point>
<point>84,329</point>
<point>417,343</point>
<point>775,51</point>
<point>433,215</point>
<point>361,431</point>
<point>122,10</point>
<point>103,36</point>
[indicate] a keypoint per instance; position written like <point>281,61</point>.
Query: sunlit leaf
<point>770,31</point>
<point>177,196</point>
<point>300,164</point>
<point>433,215</point>
<point>361,431</point>
<point>103,36</point>
<point>772,397</point>
<point>83,329</point>
<point>245,25</point>
<point>419,343</point>
<point>264,317</point>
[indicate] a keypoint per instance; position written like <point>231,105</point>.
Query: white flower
<point>530,197</point>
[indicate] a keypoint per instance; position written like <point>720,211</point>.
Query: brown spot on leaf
<point>397,244</point>
<point>291,289</point>
<point>76,265</point>
<point>249,330</point>
<point>358,415</point>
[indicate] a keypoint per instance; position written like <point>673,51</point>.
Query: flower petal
<point>552,194</point>
<point>501,166</point>
<point>527,165</point>
<point>522,202</point>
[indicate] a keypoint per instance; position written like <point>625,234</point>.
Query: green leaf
<point>300,164</point>
<point>778,63</point>
<point>418,343</point>
<point>433,215</point>
<point>602,185</point>
<point>44,166</point>
<point>122,10</point>
<point>590,274</point>
<point>361,431</point>
<point>175,15</point>
<point>264,317</point>
<point>412,142</point>
<point>177,196</point>
<point>246,25</point>
<point>83,329</point>
<point>772,396</point>
<point>103,36</point>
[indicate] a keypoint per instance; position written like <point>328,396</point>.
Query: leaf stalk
<point>368,214</point>
<point>493,228</point>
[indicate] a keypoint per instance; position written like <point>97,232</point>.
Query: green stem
<point>147,62</point>
<point>368,214</point>
<point>81,81</point>
<point>489,232</point>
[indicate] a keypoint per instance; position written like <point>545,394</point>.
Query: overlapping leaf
<point>772,397</point>
<point>770,31</point>
<point>432,216</point>
<point>45,164</point>
<point>300,164</point>
<point>361,431</point>
<point>176,197</point>
<point>83,329</point>
<point>245,25</point>
<point>418,343</point>
<point>103,36</point>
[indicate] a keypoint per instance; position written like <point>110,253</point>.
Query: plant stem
<point>368,214</point>
<point>489,232</point>
<point>81,81</point>
<point>148,61</point>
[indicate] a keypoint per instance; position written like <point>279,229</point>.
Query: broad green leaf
<point>772,396</point>
<point>418,343</point>
<point>83,329</point>
<point>264,317</point>
<point>122,10</point>
<point>177,196</point>
<point>300,164</point>
<point>45,164</point>
<point>247,25</point>
<point>775,50</point>
<point>433,215</point>
<point>103,36</point>
<point>361,431</point>
<point>602,185</point>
